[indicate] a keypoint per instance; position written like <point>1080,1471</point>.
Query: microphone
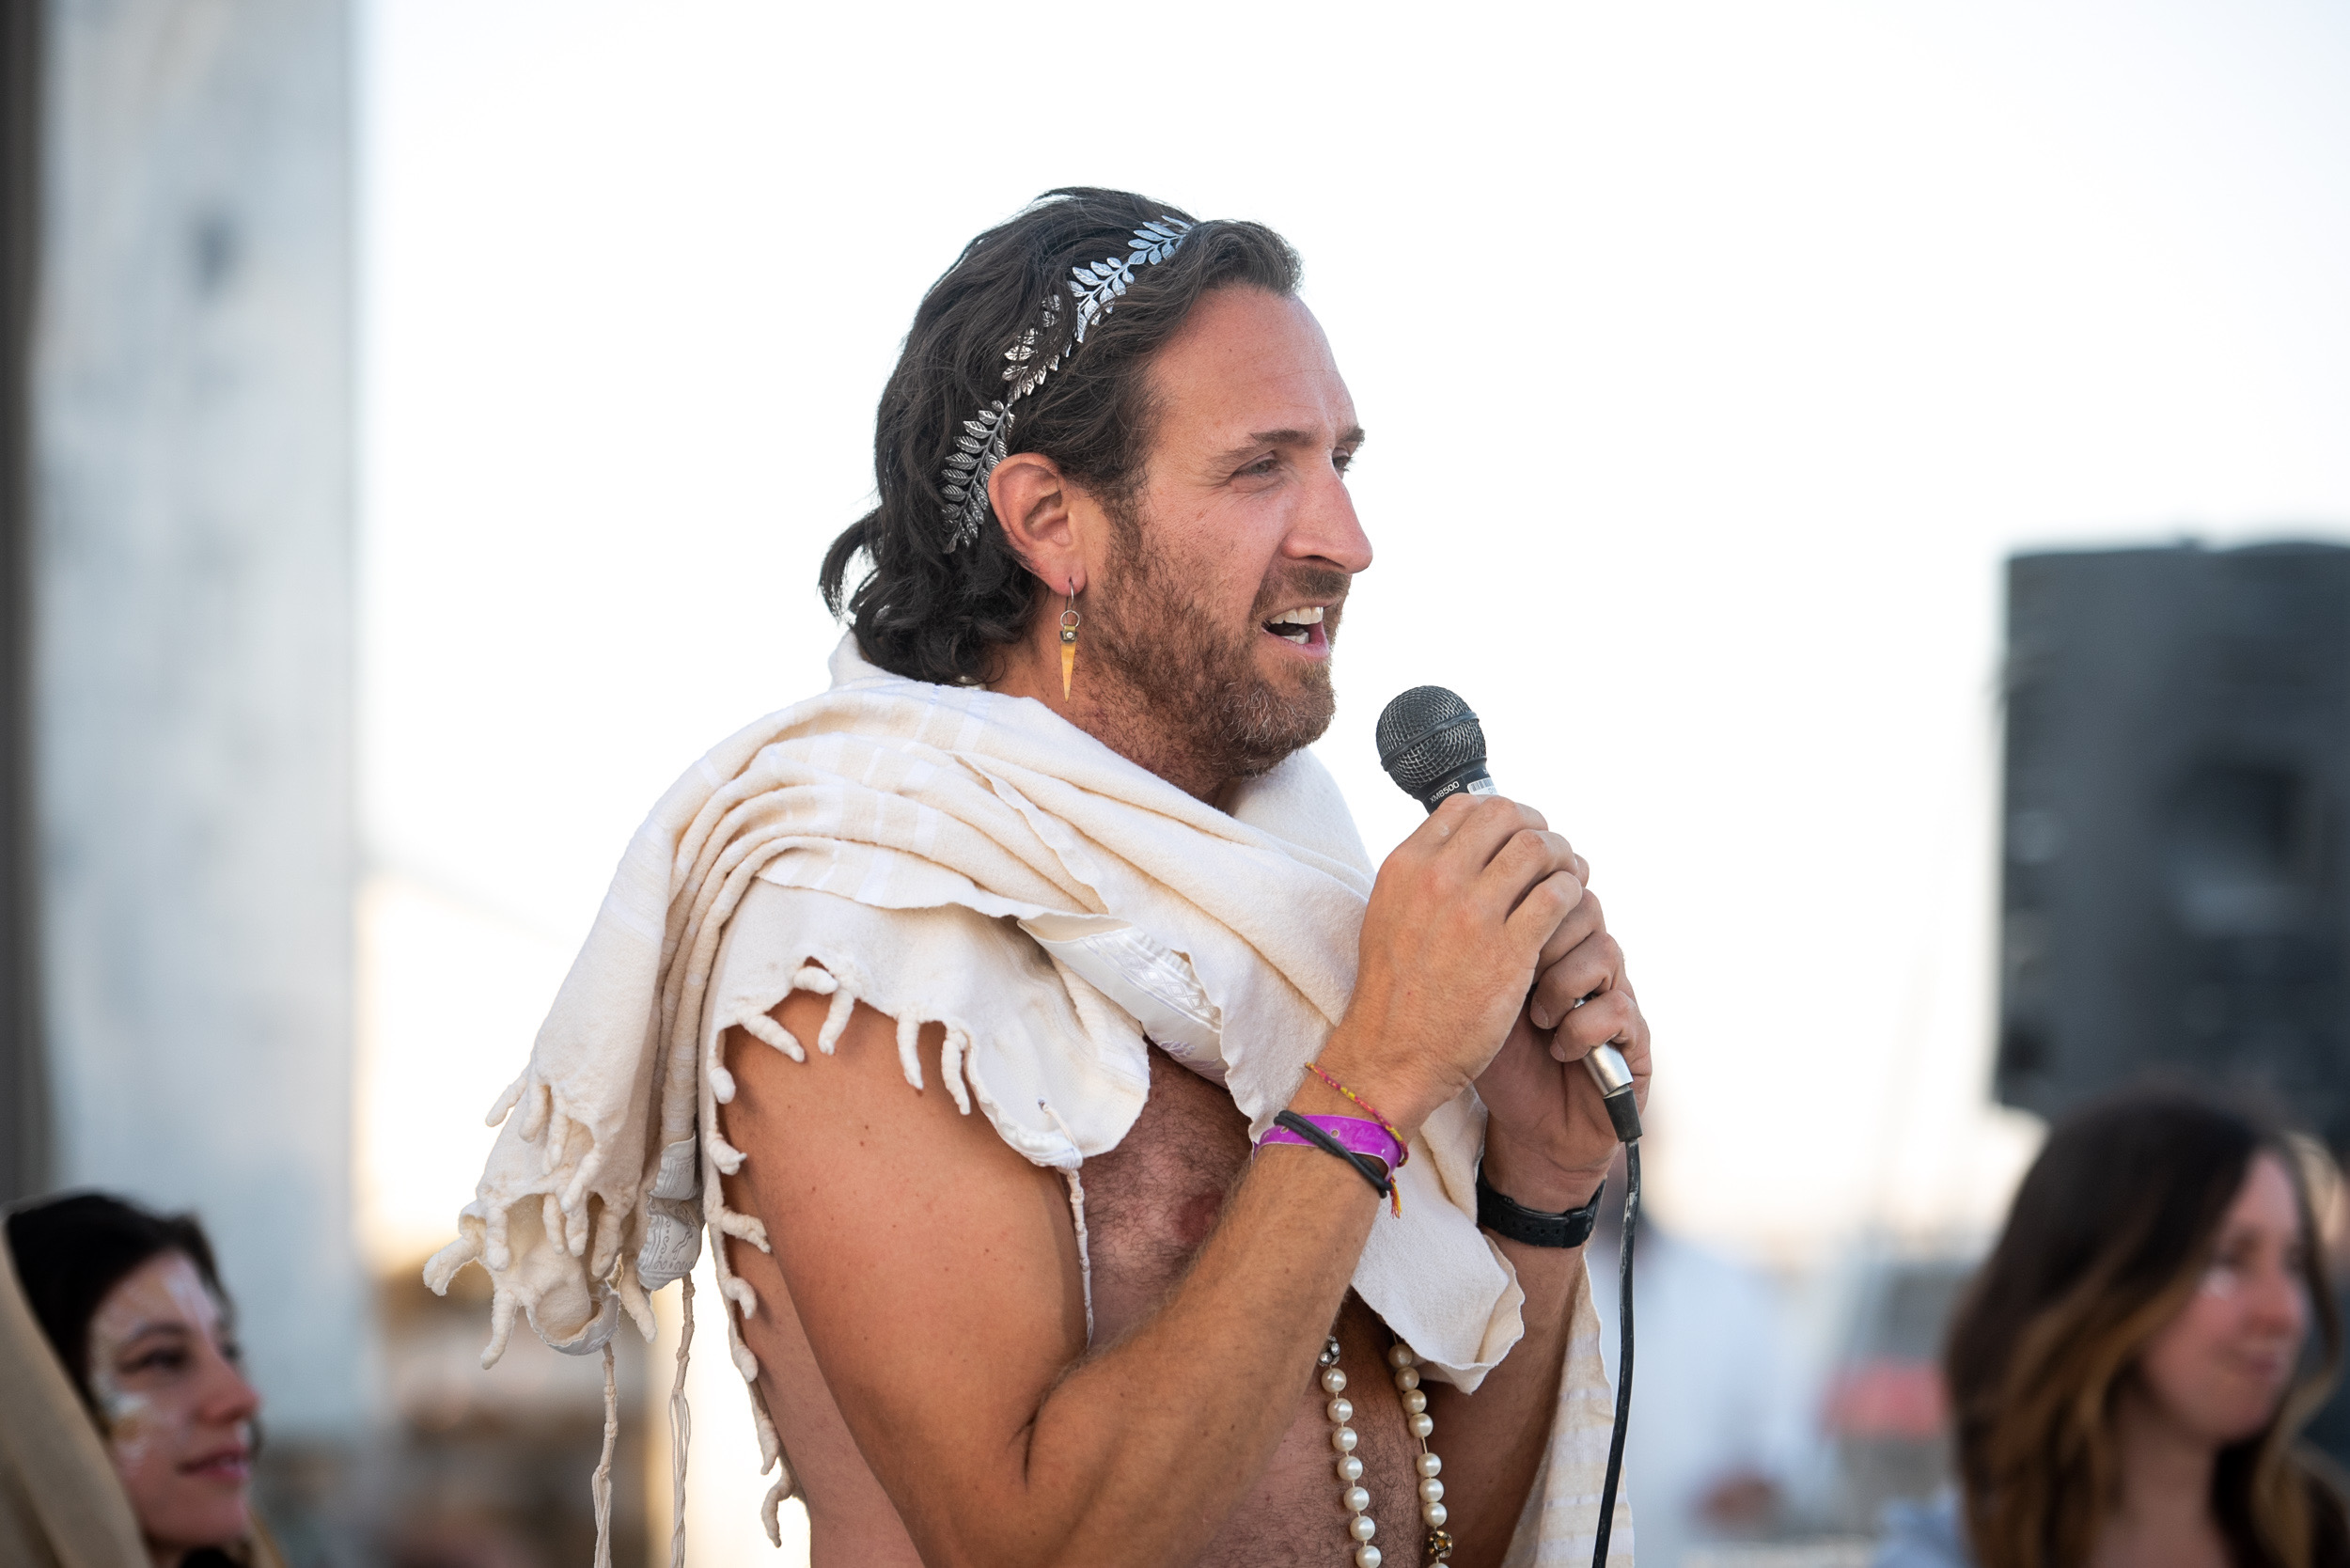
<point>1433,746</point>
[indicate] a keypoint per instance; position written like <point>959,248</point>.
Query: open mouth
<point>1300,628</point>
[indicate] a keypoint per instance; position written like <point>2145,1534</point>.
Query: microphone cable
<point>1624,1352</point>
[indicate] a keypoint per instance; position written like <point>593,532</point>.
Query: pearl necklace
<point>1360,1526</point>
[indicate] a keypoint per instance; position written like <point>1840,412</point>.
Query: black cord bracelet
<point>1380,1184</point>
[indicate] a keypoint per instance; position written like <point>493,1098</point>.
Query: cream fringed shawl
<point>912,800</point>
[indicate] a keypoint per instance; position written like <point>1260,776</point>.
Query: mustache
<point>1325,583</point>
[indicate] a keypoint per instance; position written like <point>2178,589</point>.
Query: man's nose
<point>1326,528</point>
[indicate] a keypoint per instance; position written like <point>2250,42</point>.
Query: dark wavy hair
<point>70,1252</point>
<point>931,613</point>
<point>2110,1231</point>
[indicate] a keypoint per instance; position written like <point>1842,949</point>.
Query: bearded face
<point>1210,585</point>
<point>1180,663</point>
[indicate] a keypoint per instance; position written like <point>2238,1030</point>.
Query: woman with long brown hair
<point>2130,1369</point>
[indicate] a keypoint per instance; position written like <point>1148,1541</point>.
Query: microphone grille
<point>1427,734</point>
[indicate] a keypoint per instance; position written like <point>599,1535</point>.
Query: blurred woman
<point>127,1311</point>
<point>2130,1369</point>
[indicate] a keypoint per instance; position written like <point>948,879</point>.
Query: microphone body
<point>1434,748</point>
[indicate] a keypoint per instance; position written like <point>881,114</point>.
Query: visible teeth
<point>1310,616</point>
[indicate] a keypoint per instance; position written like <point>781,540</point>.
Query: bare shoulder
<point>934,1270</point>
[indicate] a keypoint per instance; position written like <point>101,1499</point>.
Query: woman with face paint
<point>126,1422</point>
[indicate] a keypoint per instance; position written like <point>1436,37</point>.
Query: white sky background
<point>1714,355</point>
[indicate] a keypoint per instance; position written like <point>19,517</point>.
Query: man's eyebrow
<point>1351,437</point>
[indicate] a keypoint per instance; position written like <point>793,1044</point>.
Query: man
<point>1054,893</point>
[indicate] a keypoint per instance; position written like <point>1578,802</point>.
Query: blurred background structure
<point>187,482</point>
<point>2177,891</point>
<point>424,417</point>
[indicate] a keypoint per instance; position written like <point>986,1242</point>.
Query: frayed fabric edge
<point>841,981</point>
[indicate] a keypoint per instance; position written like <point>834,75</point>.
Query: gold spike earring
<point>1069,621</point>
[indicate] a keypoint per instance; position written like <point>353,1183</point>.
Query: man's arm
<point>936,1278</point>
<point>1548,1141</point>
<point>933,1271</point>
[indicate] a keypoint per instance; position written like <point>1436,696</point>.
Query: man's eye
<point>1264,464</point>
<point>1342,462</point>
<point>164,1360</point>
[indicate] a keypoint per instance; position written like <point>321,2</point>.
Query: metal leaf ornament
<point>982,444</point>
<point>978,450</point>
<point>1098,287</point>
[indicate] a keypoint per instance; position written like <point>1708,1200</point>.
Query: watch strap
<point>1506,1217</point>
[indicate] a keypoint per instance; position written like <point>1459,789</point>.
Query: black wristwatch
<point>1506,1217</point>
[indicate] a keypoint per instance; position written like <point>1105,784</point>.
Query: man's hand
<point>1462,919</point>
<point>1480,938</point>
<point>1548,1139</point>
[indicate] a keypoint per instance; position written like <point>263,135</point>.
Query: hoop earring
<point>1069,621</point>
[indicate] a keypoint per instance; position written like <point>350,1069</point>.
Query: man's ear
<point>1033,500</point>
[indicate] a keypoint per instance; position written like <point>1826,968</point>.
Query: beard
<point>1186,688</point>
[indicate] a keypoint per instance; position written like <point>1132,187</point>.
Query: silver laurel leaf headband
<point>981,444</point>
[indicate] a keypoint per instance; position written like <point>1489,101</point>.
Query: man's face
<point>1218,606</point>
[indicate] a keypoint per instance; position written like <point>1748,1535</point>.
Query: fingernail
<point>1541,1019</point>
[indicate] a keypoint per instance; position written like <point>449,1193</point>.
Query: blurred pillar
<point>23,1097</point>
<point>192,478</point>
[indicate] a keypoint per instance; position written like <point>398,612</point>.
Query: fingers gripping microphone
<point>1433,746</point>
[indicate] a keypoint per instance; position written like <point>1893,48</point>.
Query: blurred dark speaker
<point>2178,792</point>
